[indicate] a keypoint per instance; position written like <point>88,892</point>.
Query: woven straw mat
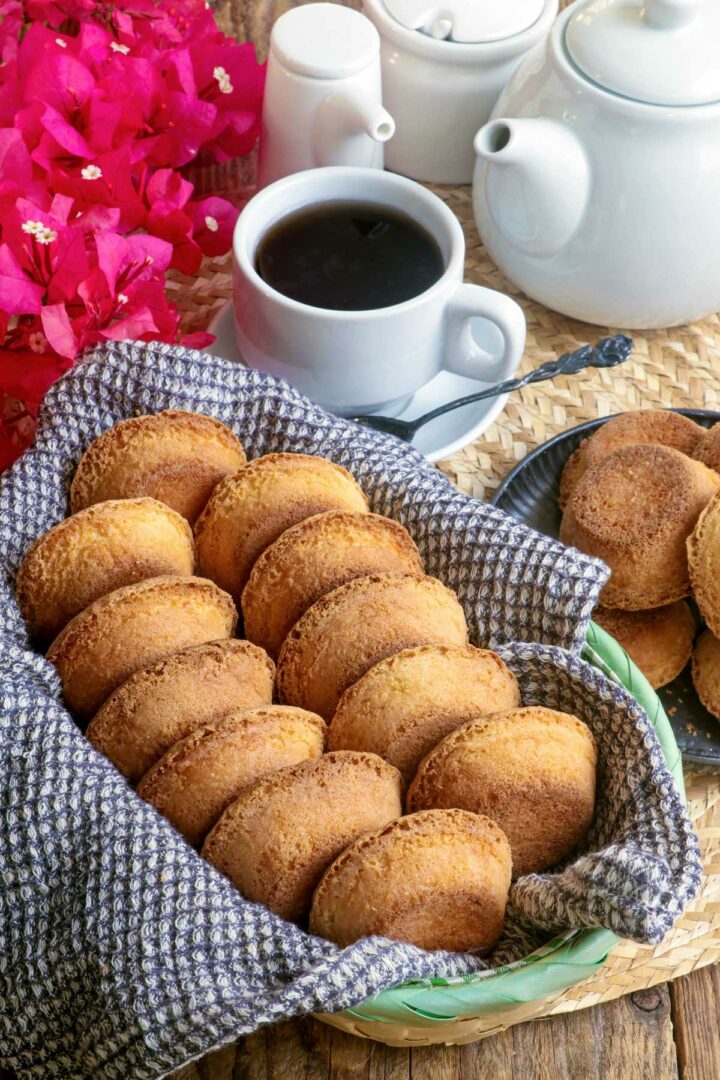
<point>668,368</point>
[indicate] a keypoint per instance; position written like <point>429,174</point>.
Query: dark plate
<point>530,494</point>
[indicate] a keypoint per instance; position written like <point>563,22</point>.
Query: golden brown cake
<point>634,510</point>
<point>438,879</point>
<point>130,628</point>
<point>176,457</point>
<point>280,835</point>
<point>406,704</point>
<point>350,629</point>
<point>659,641</point>
<point>531,770</point>
<point>708,449</point>
<point>706,672</point>
<point>165,701</point>
<point>96,551</point>
<point>201,775</point>
<point>315,557</point>
<point>703,548</point>
<point>250,510</point>
<point>647,426</point>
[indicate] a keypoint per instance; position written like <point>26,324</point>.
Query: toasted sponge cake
<point>281,833</point>
<point>96,551</point>
<point>438,879</point>
<point>659,641</point>
<point>202,774</point>
<point>174,456</point>
<point>646,426</point>
<point>706,672</point>
<point>703,548</point>
<point>250,510</point>
<point>634,510</point>
<point>162,703</point>
<point>532,770</point>
<point>350,629</point>
<point>708,448</point>
<point>403,706</point>
<point>314,557</point>
<point>132,627</point>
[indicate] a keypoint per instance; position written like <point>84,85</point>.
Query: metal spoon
<point>606,354</point>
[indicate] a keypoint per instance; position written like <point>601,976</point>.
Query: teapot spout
<point>537,182</point>
<point>344,123</point>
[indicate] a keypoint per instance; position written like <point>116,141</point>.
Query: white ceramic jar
<point>323,101</point>
<point>597,184</point>
<point>439,90</point>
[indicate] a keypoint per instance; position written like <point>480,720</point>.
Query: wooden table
<point>661,1034</point>
<point>671,1032</point>
<point>666,1033</point>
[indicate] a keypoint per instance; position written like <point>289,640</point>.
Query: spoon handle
<point>607,353</point>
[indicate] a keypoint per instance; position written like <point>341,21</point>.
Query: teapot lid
<point>661,52</point>
<point>467,21</point>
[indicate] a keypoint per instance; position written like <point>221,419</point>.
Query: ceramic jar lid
<point>468,21</point>
<point>324,41</point>
<point>662,52</point>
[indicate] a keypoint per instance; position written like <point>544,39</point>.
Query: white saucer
<point>437,440</point>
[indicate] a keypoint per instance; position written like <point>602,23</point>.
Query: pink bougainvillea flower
<point>177,227</point>
<point>100,106</point>
<point>109,181</point>
<point>128,260</point>
<point>167,190</point>
<point>231,78</point>
<point>213,223</point>
<point>38,237</point>
<point>52,75</point>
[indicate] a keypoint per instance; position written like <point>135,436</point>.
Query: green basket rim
<point>561,962</point>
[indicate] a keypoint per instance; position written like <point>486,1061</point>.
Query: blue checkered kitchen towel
<point>122,954</point>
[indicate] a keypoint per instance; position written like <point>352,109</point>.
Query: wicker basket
<point>475,1006</point>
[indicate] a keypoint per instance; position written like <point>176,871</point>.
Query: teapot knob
<point>671,14</point>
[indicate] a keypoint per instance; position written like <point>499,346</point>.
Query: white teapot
<point>597,183</point>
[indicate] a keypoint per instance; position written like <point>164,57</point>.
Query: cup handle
<point>464,356</point>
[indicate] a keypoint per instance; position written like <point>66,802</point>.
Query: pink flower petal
<point>213,224</point>
<point>58,80</point>
<point>135,326</point>
<point>200,339</point>
<point>64,134</point>
<point>15,163</point>
<point>58,330</point>
<point>71,267</point>
<point>18,294</point>
<point>167,191</point>
<point>120,257</point>
<point>27,376</point>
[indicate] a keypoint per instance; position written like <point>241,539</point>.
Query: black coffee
<point>349,256</point>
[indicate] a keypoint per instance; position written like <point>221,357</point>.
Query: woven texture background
<point>121,951</point>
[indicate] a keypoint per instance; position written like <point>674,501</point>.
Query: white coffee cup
<point>364,361</point>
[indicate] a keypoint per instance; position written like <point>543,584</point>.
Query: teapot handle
<point>671,14</point>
